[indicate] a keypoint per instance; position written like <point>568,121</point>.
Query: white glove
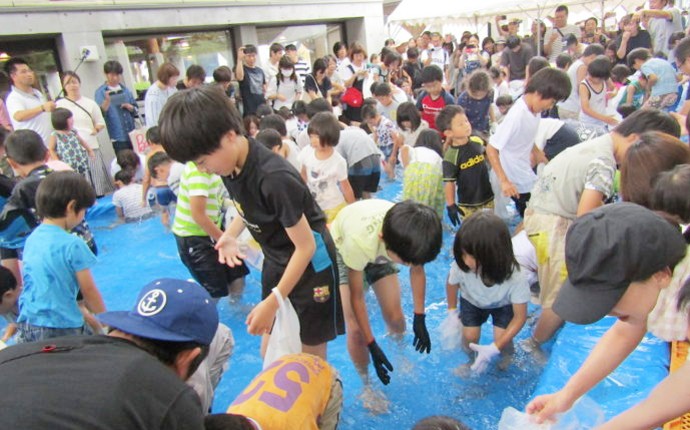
<point>451,331</point>
<point>485,353</point>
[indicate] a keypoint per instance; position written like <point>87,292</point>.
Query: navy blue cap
<point>170,310</point>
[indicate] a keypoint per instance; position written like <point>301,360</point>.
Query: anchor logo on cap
<point>152,303</point>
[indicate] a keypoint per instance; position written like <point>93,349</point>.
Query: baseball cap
<point>515,21</point>
<point>606,250</point>
<point>170,310</point>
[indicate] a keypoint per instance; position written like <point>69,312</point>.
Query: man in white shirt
<point>275,52</point>
<point>28,108</point>
<point>664,20</point>
<point>555,38</point>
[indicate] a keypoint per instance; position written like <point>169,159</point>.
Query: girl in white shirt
<point>285,87</point>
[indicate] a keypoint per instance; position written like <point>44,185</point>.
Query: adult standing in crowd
<point>251,78</point>
<point>664,20</point>
<point>88,122</point>
<point>514,60</point>
<point>302,68</point>
<point>118,106</point>
<point>159,92</point>
<point>632,36</point>
<point>28,108</point>
<point>555,38</point>
<point>275,53</point>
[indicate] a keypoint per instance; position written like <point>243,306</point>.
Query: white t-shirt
<point>559,44</point>
<point>526,256</point>
<point>514,139</point>
<point>501,89</point>
<point>410,137</point>
<point>514,290</point>
<point>83,123</point>
<point>421,154</point>
<point>324,177</point>
<point>572,103</point>
<point>287,88</point>
<point>661,29</point>
<point>439,56</point>
<point>547,128</point>
<point>18,101</point>
<point>128,198</point>
<point>293,154</point>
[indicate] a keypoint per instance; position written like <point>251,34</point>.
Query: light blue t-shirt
<point>667,83</point>
<point>513,290</point>
<point>52,258</point>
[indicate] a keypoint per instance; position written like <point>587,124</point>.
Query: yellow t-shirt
<point>291,393</point>
<point>356,230</point>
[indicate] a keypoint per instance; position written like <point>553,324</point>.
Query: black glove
<point>381,363</point>
<point>453,214</point>
<point>421,340</point>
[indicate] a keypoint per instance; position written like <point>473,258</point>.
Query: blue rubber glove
<point>485,353</point>
<point>381,363</point>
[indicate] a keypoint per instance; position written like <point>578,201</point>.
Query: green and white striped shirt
<point>194,183</point>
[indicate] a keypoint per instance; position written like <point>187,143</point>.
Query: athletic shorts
<point>364,175</point>
<point>373,272</point>
<point>472,316</point>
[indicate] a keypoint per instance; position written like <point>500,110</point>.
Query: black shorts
<point>316,298</point>
<point>10,253</point>
<point>472,316</point>
<point>364,175</point>
<point>201,259</point>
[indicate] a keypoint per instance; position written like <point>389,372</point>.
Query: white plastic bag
<point>451,331</point>
<point>285,337</point>
<point>584,415</point>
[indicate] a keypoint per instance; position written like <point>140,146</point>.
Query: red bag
<point>352,97</point>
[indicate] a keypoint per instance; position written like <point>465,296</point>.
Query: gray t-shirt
<point>513,290</point>
<point>586,166</point>
<point>355,145</point>
<point>516,62</point>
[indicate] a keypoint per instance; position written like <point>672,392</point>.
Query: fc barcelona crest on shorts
<point>322,294</point>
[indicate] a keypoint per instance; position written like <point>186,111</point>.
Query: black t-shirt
<point>641,40</point>
<point>310,84</point>
<point>252,89</point>
<point>466,166</point>
<point>271,197</point>
<point>92,382</point>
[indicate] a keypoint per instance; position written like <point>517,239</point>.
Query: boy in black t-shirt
<point>464,166</point>
<point>251,78</point>
<point>274,204</point>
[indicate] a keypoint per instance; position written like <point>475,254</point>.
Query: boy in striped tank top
<point>197,228</point>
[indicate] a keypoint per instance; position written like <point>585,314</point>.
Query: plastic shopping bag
<point>451,331</point>
<point>285,337</point>
<point>584,415</point>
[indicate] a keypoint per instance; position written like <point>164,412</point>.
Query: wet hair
<point>479,81</point>
<point>195,71</point>
<point>412,231</point>
<point>269,138</point>
<point>407,111</point>
<point>652,154</point>
<point>381,89</point>
<point>273,122</point>
<point>593,49</point>
<point>25,147</point>
<point>276,47</point>
<point>167,71</point>
<point>670,192</point>
<point>564,60</point>
<point>369,111</point>
<point>12,63</point>
<point>299,107</point>
<point>248,120</point>
<point>682,51</point>
<point>430,138</point>
<point>486,238</point>
<point>600,67</point>
<point>638,54</point>
<point>194,121</point>
<point>626,109</point>
<point>620,73</point>
<point>158,159</point>
<point>222,74</point>
<point>227,422</point>
<point>128,159</point>
<point>153,135</point>
<point>648,119</point>
<point>326,126</point>
<point>58,189</point>
<point>250,49</point>
<point>445,117</point>
<point>263,109</point>
<point>125,176</point>
<point>112,66</point>
<point>432,73</point>
<point>318,105</point>
<point>504,100</point>
<point>59,117</point>
<point>439,422</point>
<point>550,84</point>
<point>535,64</point>
<point>7,281</point>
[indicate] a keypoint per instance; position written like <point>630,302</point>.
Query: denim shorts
<point>472,316</point>
<point>372,272</point>
<point>32,333</point>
